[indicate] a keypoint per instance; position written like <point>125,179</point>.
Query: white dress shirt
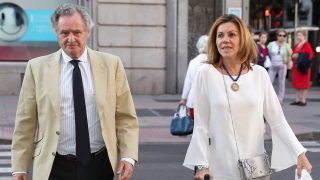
<point>67,139</point>
<point>254,100</point>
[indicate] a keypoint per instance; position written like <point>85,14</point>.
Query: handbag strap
<point>186,109</point>
<point>234,132</point>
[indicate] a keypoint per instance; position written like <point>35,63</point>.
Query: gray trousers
<point>282,72</point>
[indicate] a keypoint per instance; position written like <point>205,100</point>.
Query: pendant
<point>235,86</point>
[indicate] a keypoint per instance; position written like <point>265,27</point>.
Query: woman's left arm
<point>286,147</point>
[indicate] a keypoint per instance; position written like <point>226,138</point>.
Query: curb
<point>5,141</point>
<point>310,136</point>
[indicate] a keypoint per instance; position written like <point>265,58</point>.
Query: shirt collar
<point>82,58</point>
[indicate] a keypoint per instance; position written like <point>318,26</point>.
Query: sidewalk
<point>155,113</point>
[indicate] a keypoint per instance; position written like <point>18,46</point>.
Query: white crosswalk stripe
<point>5,162</point>
<point>312,146</point>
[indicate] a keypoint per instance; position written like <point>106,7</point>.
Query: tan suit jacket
<point>37,122</point>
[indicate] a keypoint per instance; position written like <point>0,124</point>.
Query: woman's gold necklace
<point>234,86</point>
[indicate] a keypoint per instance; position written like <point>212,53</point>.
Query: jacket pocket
<point>39,137</point>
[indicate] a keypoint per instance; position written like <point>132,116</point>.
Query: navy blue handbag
<point>181,126</point>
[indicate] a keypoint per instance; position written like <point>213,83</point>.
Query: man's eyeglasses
<point>282,35</point>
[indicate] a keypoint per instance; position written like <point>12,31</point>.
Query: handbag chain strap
<point>234,132</point>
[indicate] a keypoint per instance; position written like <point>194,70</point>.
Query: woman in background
<point>263,52</point>
<point>280,54</point>
<point>187,93</point>
<point>301,79</point>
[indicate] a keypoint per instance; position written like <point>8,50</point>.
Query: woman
<point>300,79</point>
<point>231,98</point>
<point>280,53</point>
<point>263,52</point>
<point>187,93</point>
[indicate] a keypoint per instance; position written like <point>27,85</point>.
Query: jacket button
<point>57,132</point>
<point>53,154</point>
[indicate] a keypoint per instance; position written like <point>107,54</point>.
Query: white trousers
<point>281,70</point>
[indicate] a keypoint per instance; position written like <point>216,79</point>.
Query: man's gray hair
<point>69,10</point>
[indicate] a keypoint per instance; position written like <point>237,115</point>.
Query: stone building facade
<point>154,38</point>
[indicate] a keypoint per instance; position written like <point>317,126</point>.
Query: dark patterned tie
<point>82,132</point>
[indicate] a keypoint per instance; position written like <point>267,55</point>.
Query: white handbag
<point>267,62</point>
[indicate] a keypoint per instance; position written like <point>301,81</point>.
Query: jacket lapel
<point>53,77</point>
<point>99,78</point>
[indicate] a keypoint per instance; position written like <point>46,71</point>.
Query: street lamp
<point>296,19</point>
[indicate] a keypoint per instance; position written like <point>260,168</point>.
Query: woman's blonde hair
<point>248,49</point>
<point>304,33</point>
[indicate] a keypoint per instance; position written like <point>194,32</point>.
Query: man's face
<point>72,35</point>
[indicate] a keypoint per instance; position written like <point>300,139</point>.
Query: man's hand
<point>200,174</point>
<point>19,176</point>
<point>125,171</point>
<point>303,163</point>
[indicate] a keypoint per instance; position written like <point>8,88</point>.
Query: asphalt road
<point>164,162</point>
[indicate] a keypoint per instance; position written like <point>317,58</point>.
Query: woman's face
<point>263,39</point>
<point>228,40</point>
<point>281,36</point>
<point>300,37</point>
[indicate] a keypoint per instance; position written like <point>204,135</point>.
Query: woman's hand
<point>201,173</point>
<point>183,102</point>
<point>303,163</point>
<point>295,56</point>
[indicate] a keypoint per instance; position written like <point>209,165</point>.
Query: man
<point>71,89</point>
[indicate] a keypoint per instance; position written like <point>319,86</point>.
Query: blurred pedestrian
<point>280,54</point>
<point>75,117</point>
<point>231,97</point>
<point>187,93</point>
<point>263,53</point>
<point>301,77</point>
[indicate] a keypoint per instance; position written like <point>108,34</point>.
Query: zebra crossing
<point>5,157</point>
<point>5,162</point>
<point>312,146</point>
